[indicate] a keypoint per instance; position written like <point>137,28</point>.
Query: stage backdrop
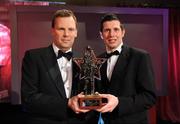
<point>145,28</point>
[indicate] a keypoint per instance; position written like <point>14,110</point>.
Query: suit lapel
<point>53,69</point>
<point>119,66</point>
<point>121,63</point>
<point>75,80</point>
<point>103,71</point>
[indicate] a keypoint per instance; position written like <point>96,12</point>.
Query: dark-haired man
<point>127,77</point>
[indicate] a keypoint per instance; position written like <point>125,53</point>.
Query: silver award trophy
<point>89,70</point>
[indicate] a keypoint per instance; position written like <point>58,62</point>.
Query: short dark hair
<point>63,13</point>
<point>110,17</point>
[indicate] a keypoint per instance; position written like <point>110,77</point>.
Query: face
<point>64,32</point>
<point>112,34</point>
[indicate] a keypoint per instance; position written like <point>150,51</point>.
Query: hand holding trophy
<point>89,70</point>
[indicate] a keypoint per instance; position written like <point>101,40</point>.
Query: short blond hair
<point>63,13</point>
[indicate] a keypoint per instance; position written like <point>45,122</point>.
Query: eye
<point>72,29</point>
<point>60,29</point>
<point>106,30</point>
<point>116,29</point>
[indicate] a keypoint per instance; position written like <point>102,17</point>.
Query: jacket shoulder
<point>37,51</point>
<point>135,50</point>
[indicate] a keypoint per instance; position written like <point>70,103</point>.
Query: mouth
<point>65,40</point>
<point>112,40</point>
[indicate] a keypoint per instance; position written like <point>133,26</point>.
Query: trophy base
<point>91,102</point>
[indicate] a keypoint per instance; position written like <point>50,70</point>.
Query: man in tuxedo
<point>127,77</point>
<point>50,77</point>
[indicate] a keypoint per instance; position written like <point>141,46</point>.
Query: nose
<point>111,33</point>
<point>66,32</point>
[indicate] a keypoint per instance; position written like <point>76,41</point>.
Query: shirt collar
<point>56,49</point>
<point>119,48</point>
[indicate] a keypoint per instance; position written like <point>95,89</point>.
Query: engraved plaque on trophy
<point>89,70</point>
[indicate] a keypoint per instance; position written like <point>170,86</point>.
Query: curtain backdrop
<point>169,106</point>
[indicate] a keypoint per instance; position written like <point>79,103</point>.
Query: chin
<point>112,47</point>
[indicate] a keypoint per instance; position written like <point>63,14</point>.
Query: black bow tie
<point>108,55</point>
<point>68,55</point>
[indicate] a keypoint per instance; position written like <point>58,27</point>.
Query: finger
<point>77,112</point>
<point>84,110</point>
<point>101,109</point>
<point>104,95</point>
<point>80,95</point>
<point>106,108</point>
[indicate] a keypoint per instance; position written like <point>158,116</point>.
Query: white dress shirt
<point>65,67</point>
<point>112,61</point>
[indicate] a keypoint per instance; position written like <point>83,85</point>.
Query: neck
<point>110,49</point>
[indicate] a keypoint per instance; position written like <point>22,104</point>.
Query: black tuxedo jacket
<point>133,83</point>
<point>42,89</point>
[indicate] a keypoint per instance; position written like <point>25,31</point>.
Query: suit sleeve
<point>145,96</point>
<point>34,98</point>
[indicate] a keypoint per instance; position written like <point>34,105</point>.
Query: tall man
<point>127,77</point>
<point>49,77</point>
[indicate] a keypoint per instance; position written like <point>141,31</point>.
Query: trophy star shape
<point>89,70</point>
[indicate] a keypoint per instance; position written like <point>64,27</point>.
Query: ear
<point>76,32</point>
<point>101,35</point>
<point>123,33</point>
<point>52,31</point>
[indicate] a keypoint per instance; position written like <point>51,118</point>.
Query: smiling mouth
<point>65,40</point>
<point>112,40</point>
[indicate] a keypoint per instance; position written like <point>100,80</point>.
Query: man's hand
<point>74,104</point>
<point>110,105</point>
